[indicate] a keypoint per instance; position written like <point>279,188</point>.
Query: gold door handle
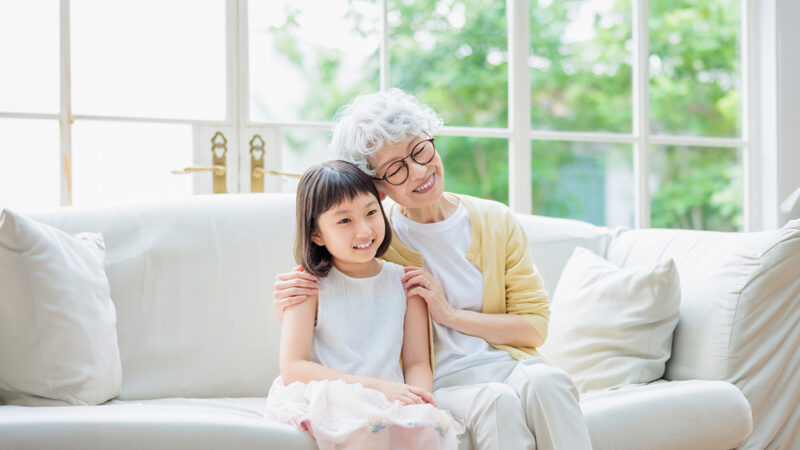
<point>219,148</point>
<point>258,172</point>
<point>218,170</point>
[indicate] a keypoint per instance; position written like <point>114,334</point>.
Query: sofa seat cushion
<point>694,414</point>
<point>162,424</point>
<point>678,414</point>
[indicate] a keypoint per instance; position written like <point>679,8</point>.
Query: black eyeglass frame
<point>416,150</point>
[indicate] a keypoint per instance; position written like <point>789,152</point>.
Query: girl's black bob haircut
<point>321,188</point>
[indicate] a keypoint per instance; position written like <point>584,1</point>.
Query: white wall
<point>777,102</point>
<point>788,104</point>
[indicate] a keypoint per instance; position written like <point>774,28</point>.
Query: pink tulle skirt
<point>341,415</point>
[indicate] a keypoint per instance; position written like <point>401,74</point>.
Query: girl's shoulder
<point>392,269</point>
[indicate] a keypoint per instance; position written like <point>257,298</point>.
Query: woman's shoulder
<point>486,208</point>
<point>482,203</point>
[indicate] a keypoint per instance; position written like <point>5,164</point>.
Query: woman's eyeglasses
<point>397,172</point>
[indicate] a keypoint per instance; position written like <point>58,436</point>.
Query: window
<point>617,112</point>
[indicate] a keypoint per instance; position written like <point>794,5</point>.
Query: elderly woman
<point>469,259</point>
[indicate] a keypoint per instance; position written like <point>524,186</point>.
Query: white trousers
<point>516,405</point>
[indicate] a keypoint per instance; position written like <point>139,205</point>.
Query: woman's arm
<point>499,329</point>
<point>297,336</point>
<point>527,309</point>
<point>416,352</point>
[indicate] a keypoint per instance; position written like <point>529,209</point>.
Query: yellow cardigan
<point>499,248</point>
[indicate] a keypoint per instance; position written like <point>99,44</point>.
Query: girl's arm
<point>416,352</point>
<point>297,336</point>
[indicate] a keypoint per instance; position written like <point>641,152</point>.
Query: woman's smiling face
<point>425,183</point>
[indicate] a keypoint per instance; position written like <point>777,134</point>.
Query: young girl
<point>341,374</point>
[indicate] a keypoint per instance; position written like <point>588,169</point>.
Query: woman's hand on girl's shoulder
<point>405,393</point>
<point>292,288</point>
<point>419,281</point>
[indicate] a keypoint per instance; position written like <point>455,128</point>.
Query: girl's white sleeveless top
<point>359,327</point>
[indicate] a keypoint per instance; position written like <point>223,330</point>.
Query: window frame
<point>760,132</point>
<point>520,133</point>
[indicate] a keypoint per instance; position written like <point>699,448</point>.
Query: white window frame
<point>769,164</point>
<point>774,109</point>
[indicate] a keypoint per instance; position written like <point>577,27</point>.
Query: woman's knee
<point>501,395</point>
<point>546,378</point>
<point>496,418</point>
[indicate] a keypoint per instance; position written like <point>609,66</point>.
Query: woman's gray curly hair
<point>373,120</point>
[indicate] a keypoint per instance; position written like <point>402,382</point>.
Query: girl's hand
<point>418,281</point>
<point>292,288</point>
<point>405,393</point>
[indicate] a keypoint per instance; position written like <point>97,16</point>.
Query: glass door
<point>306,59</point>
<point>29,105</point>
<point>149,81</point>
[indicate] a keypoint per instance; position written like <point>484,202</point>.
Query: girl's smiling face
<point>352,231</point>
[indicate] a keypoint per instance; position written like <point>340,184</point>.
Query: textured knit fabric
<point>444,245</point>
<point>360,321</point>
<point>499,247</point>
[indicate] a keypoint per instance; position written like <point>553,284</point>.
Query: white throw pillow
<point>58,337</point>
<point>612,326</point>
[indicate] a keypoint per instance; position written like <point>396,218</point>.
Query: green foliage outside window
<point>453,56</point>
<point>695,90</point>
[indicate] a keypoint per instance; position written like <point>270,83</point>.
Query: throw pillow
<point>612,326</point>
<point>58,337</point>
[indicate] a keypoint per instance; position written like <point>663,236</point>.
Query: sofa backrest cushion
<point>740,310</point>
<point>192,284</point>
<point>552,241</point>
<point>729,281</point>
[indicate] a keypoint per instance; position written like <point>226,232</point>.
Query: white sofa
<point>191,281</point>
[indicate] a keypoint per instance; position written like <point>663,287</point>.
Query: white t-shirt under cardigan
<point>444,245</point>
<point>359,327</point>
